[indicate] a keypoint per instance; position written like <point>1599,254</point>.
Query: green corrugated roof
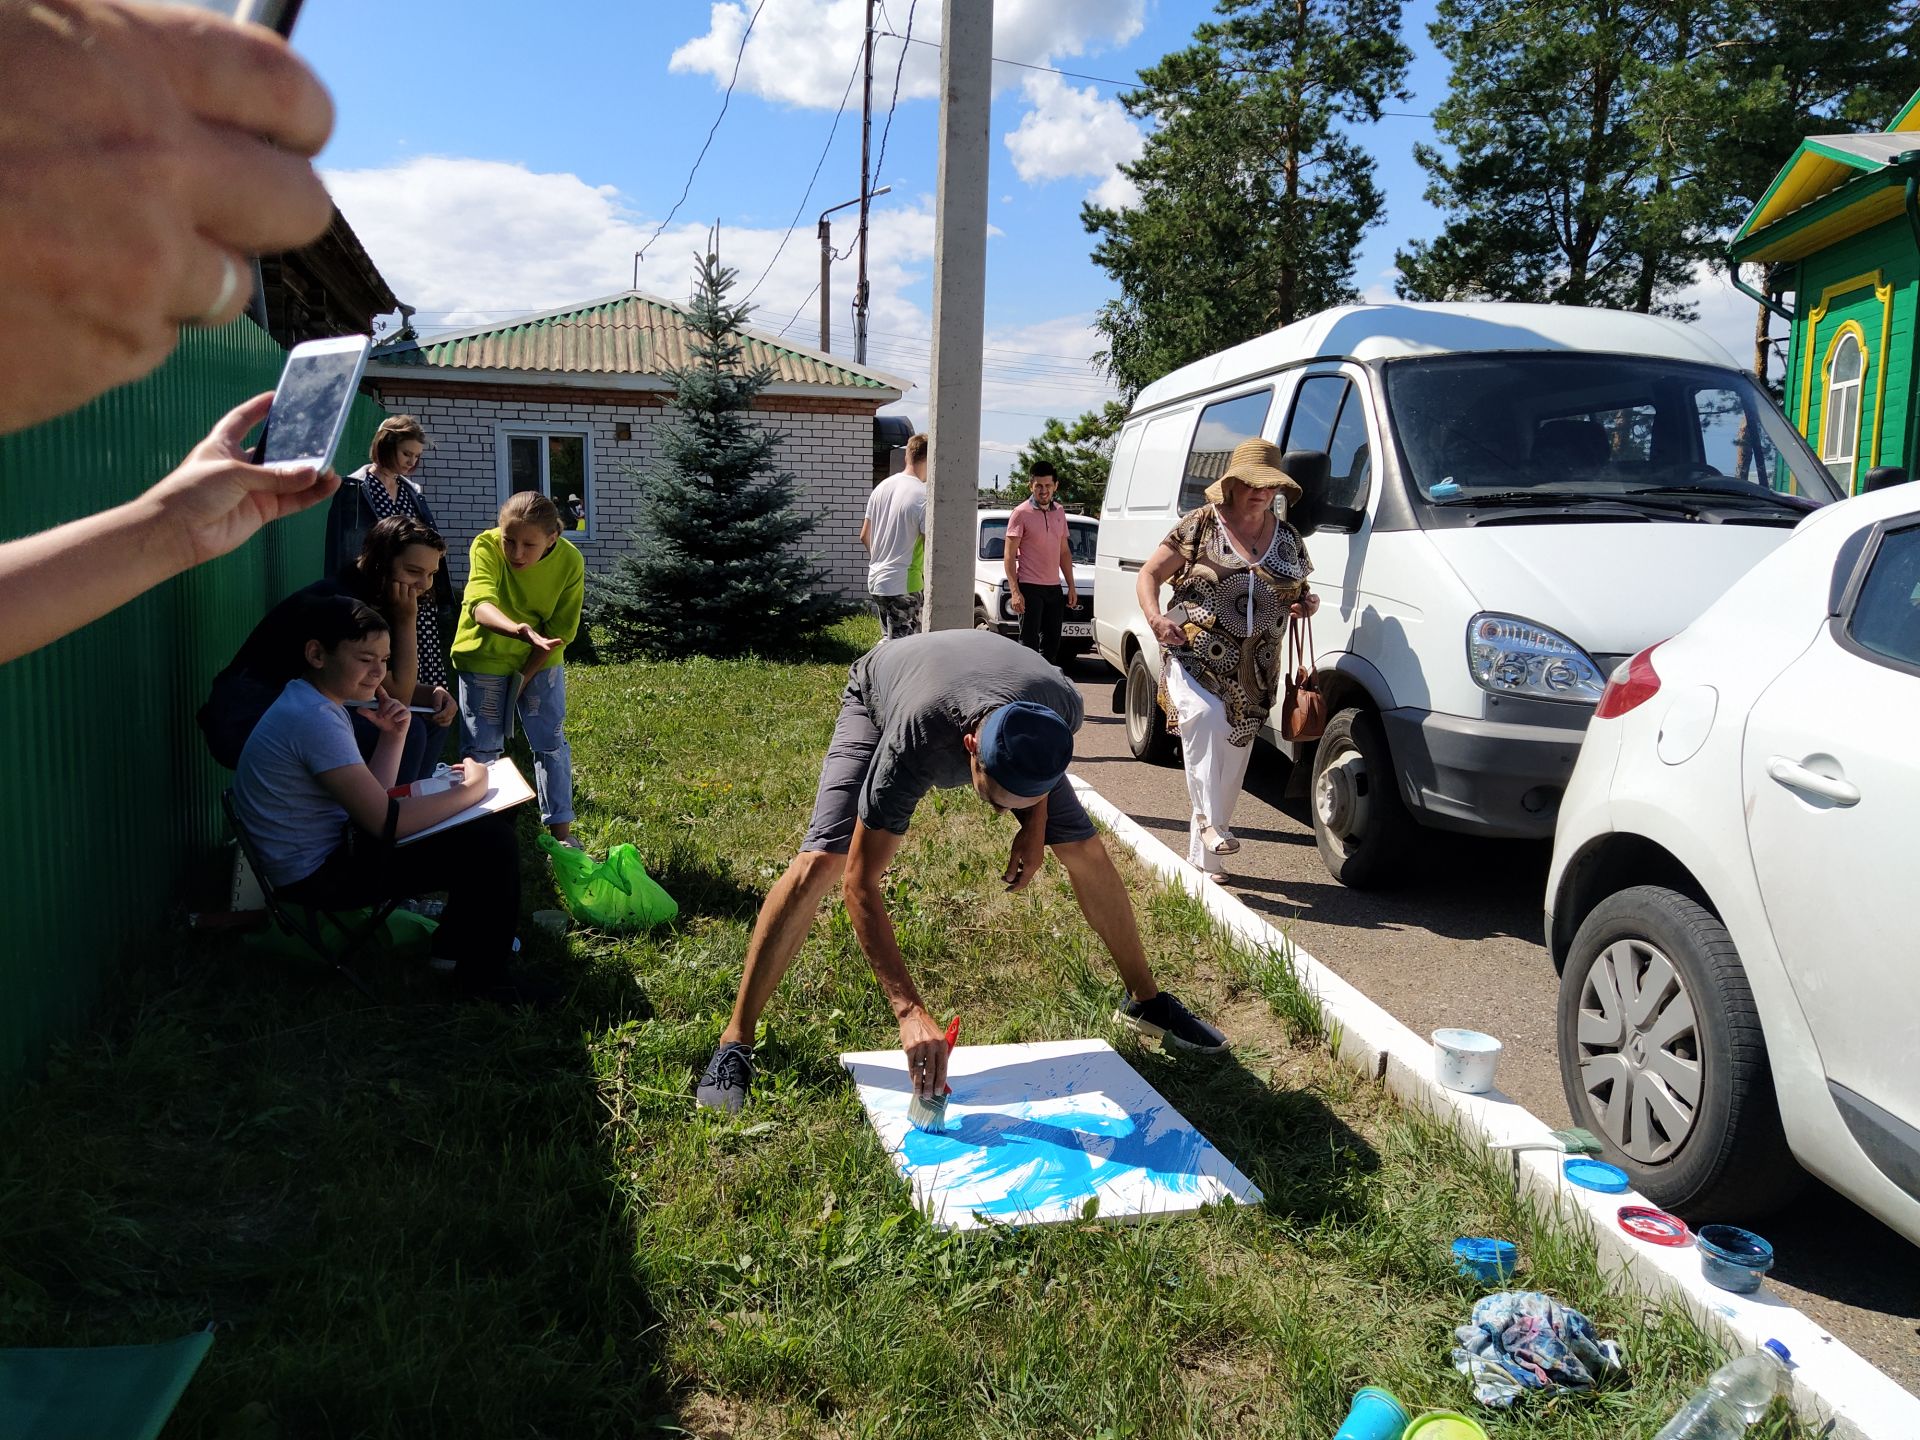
<point>629,334</point>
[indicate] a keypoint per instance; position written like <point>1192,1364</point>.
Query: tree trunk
<point>1760,337</point>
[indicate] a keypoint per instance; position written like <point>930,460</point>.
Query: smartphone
<point>311,402</point>
<point>274,14</point>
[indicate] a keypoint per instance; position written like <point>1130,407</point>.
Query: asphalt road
<point>1462,946</point>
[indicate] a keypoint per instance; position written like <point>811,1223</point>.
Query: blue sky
<point>498,158</point>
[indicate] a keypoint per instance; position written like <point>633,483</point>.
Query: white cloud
<point>1072,132</point>
<point>471,242</point>
<point>802,51</point>
<point>1725,314</point>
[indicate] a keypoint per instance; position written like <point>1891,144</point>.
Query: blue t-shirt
<point>295,823</point>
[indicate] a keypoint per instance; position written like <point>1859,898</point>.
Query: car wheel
<point>981,620</point>
<point>1663,1058</point>
<point>1147,735</point>
<point>1362,828</point>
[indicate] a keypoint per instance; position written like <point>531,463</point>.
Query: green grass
<point>426,1219</point>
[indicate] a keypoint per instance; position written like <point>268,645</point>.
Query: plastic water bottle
<point>1735,1395</point>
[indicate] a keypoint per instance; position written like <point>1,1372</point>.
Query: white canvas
<point>1033,1132</point>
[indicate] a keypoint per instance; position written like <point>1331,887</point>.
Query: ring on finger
<point>229,286</point>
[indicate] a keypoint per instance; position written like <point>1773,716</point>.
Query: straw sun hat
<point>1256,464</point>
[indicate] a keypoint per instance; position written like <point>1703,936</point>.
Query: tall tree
<point>717,566</point>
<point>1555,190</point>
<point>1080,451</point>
<point>1252,198</point>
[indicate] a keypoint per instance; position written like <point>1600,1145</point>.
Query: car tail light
<point>1639,685</point>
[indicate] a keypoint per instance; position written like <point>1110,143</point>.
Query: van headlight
<point>1511,656</point>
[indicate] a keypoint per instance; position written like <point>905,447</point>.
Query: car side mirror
<point>1310,468</point>
<point>1881,477</point>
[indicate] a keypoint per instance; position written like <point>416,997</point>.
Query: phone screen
<point>314,393</point>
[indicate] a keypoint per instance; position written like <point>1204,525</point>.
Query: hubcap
<point>1340,799</point>
<point>1639,1051</point>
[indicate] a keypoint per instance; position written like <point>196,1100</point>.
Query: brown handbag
<point>1303,709</point>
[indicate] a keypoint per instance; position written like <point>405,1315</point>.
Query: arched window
<point>1840,435</point>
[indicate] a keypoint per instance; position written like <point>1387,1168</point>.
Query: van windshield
<point>1479,430</point>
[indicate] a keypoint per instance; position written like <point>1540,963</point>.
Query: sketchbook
<point>506,788</point>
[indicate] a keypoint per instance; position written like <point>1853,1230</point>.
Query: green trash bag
<point>615,893</point>
<point>404,937</point>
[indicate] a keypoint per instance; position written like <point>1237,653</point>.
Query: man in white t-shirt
<point>894,532</point>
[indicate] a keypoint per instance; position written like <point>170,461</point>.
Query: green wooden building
<point>1839,228</point>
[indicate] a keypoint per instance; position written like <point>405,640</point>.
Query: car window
<point>1082,538</point>
<point>993,538</point>
<point>1120,472</point>
<point>1156,473</point>
<point>1886,616</point>
<point>1328,415</point>
<point>1223,425</point>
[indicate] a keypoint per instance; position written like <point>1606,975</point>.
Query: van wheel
<point>1147,733</point>
<point>1362,828</point>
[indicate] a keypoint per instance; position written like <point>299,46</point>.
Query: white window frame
<point>1836,392</point>
<point>504,431</point>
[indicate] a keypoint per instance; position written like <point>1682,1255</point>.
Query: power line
<point>899,66</point>
<point>725,100</point>
<point>799,209</point>
<point>781,332</point>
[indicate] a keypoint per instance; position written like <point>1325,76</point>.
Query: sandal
<point>1219,840</point>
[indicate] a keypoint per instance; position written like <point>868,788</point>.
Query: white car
<point>992,610</point>
<point>1729,904</point>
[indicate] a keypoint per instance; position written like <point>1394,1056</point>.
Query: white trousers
<point>1216,768</point>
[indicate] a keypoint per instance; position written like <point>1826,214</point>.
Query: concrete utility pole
<point>959,310</point>
<point>866,182</point>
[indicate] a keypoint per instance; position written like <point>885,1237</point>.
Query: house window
<point>1840,435</point>
<point>558,462</point>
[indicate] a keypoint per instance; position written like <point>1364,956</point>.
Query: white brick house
<point>568,401</point>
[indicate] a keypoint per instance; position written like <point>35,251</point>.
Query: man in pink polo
<point>1038,555</point>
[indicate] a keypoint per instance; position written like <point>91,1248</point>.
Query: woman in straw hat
<point>1237,569</point>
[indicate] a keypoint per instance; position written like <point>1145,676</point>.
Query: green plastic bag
<point>615,893</point>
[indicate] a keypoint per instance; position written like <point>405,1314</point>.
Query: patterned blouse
<point>1235,616</point>
<point>433,660</point>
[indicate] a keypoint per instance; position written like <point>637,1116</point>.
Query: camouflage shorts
<point>899,614</point>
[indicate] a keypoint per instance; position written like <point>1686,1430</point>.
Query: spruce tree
<point>716,567</point>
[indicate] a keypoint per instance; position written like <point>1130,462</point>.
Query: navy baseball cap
<point>1025,748</point>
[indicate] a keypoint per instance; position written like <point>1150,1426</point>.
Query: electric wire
<point>725,100</point>
<point>899,67</point>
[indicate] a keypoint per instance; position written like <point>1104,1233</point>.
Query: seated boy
<point>324,825</point>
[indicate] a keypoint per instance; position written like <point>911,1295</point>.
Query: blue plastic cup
<point>1732,1258</point>
<point>1374,1415</point>
<point>1487,1260</point>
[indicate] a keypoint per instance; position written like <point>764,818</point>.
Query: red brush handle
<point>953,1034</point>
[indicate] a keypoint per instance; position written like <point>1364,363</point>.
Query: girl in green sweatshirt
<point>525,586</point>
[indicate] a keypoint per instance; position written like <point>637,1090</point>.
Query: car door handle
<point>1796,776</point>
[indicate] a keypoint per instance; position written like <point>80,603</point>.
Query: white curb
<point>1831,1381</point>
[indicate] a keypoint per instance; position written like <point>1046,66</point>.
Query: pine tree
<point>1081,453</point>
<point>716,567</point>
<point>1252,201</point>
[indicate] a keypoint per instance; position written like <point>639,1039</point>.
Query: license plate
<point>1077,632</point>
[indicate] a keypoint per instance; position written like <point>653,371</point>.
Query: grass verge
<point>425,1219</point>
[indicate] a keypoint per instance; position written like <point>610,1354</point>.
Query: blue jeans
<point>542,711</point>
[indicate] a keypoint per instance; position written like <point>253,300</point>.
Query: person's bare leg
<point>786,917</point>
<point>1109,909</point>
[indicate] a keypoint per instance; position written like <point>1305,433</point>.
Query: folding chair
<point>306,922</point>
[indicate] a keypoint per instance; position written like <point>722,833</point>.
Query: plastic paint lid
<point>1596,1175</point>
<point>1656,1227</point>
<point>1444,1425</point>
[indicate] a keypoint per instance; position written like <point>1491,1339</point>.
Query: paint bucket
<point>1444,1425</point>
<point>1486,1260</point>
<point>1732,1258</point>
<point>1374,1415</point>
<point>1465,1060</point>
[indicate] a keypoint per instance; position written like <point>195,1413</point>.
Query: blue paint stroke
<point>1058,1160</point>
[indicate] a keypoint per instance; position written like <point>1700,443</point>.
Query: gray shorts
<point>843,774</point>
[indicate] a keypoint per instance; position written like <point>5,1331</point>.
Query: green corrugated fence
<point>113,801</point>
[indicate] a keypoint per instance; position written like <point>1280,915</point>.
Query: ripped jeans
<point>542,711</point>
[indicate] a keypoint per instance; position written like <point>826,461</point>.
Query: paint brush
<point>375,705</point>
<point>932,1114</point>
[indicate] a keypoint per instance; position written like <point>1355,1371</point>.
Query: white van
<point>1503,503</point>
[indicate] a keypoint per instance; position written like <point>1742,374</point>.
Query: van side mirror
<point>1310,468</point>
<point>1881,477</point>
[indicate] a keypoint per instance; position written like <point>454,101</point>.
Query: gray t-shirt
<point>896,519</point>
<point>295,823</point>
<point>924,693</point>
